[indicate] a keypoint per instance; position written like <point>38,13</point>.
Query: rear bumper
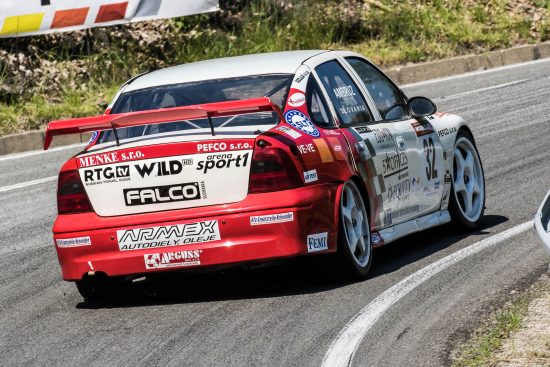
<point>101,247</point>
<point>542,225</point>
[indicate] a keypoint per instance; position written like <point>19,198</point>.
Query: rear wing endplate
<point>166,115</point>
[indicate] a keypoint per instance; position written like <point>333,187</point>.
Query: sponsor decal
<point>376,239</point>
<point>162,168</point>
<point>445,155</point>
<point>162,182</point>
<point>222,147</point>
<point>400,142</point>
<point>297,99</point>
<point>271,218</point>
<point>171,150</point>
<point>108,158</point>
<point>109,174</point>
<point>395,164</point>
<point>324,151</point>
<point>331,132</point>
<point>221,161</point>
<point>301,122</point>
<point>94,136</point>
<point>384,137</point>
<point>363,129</point>
<point>317,242</point>
<point>352,109</point>
<point>203,190</point>
<point>162,194</point>
<point>402,188</point>
<point>422,129</point>
<point>344,92</point>
<point>388,217</point>
<point>290,132</point>
<point>339,152</point>
<point>301,77</point>
<point>166,236</point>
<point>411,209</point>
<point>446,131</point>
<point>176,259</point>
<point>432,190</point>
<point>306,148</point>
<point>73,242</point>
<point>363,151</point>
<point>448,178</point>
<point>310,176</point>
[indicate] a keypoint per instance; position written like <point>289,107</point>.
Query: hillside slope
<point>76,73</point>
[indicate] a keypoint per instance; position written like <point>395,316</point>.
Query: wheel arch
<point>364,194</point>
<point>467,130</point>
<point>361,185</point>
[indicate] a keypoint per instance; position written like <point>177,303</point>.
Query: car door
<point>419,187</point>
<point>373,144</point>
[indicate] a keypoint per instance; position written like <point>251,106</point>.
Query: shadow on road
<point>291,277</point>
<point>423,244</point>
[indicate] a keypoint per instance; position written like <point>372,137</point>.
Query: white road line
<point>28,183</point>
<point>463,94</point>
<point>475,73</point>
<point>39,152</point>
<point>343,348</point>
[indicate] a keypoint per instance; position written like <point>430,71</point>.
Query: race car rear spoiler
<point>166,115</point>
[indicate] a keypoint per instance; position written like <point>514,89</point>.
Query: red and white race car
<point>255,158</point>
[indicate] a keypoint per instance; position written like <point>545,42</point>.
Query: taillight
<point>272,170</point>
<point>71,197</point>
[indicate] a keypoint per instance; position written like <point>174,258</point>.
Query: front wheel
<point>354,242</point>
<point>467,202</point>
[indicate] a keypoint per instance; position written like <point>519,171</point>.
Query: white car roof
<point>227,67</point>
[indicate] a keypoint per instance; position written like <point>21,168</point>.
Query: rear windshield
<point>274,86</point>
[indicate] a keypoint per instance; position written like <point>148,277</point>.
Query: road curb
<point>467,63</point>
<point>34,140</point>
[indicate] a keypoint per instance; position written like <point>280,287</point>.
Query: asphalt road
<point>289,315</point>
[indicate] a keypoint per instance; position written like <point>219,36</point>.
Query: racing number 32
<point>429,150</point>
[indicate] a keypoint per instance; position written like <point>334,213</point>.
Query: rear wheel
<point>467,202</point>
<point>354,243</point>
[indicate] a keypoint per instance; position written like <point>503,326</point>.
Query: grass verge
<point>485,343</point>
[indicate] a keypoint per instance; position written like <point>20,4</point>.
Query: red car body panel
<point>312,207</point>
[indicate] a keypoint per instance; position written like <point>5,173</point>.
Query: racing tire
<point>354,241</point>
<point>467,201</point>
<point>99,288</point>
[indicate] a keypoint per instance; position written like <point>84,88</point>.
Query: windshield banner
<point>29,17</point>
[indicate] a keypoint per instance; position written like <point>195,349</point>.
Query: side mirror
<point>421,106</point>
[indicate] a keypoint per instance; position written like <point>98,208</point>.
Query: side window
<point>317,105</point>
<point>348,102</point>
<point>388,99</point>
